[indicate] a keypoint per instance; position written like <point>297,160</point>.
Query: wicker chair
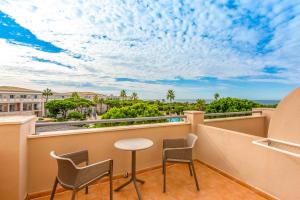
<point>179,151</point>
<point>73,176</point>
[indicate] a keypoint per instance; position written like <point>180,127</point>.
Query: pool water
<point>175,119</point>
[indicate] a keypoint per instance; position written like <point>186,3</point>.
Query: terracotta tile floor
<point>180,185</point>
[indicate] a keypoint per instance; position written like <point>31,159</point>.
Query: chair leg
<point>191,173</point>
<point>163,164</point>
<point>110,186</point>
<point>54,188</point>
<point>195,176</point>
<point>165,174</point>
<point>73,195</point>
<point>87,187</point>
<point>111,171</point>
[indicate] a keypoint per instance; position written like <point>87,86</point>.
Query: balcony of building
<point>179,186</point>
<point>21,108</point>
<point>246,157</point>
<point>13,98</point>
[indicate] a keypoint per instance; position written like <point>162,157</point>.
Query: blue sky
<point>245,48</point>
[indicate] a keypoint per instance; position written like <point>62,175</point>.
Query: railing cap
<point>193,112</point>
<point>5,120</point>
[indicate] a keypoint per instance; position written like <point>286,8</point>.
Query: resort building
<point>85,95</point>
<point>23,101</point>
<point>20,101</point>
<point>113,97</point>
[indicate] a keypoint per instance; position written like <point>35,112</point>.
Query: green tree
<point>46,93</point>
<point>216,96</point>
<point>65,106</point>
<point>123,94</point>
<point>112,103</point>
<point>101,101</point>
<point>52,107</point>
<point>178,109</point>
<point>134,96</point>
<point>136,110</point>
<point>231,105</point>
<point>76,115</point>
<point>200,104</point>
<point>75,95</point>
<point>170,95</point>
<point>60,106</point>
<point>96,100</point>
<point>81,103</point>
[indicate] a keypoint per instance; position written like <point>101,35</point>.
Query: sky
<point>238,48</point>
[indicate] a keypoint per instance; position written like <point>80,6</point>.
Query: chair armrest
<point>173,143</point>
<point>178,153</point>
<point>93,172</point>
<point>78,157</point>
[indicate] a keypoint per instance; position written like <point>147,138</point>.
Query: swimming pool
<point>175,119</point>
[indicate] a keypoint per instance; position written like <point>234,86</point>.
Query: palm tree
<point>46,93</point>
<point>123,94</point>
<point>134,96</point>
<point>101,101</point>
<point>170,95</point>
<point>97,100</point>
<point>216,96</point>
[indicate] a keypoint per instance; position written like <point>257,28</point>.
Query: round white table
<point>133,145</point>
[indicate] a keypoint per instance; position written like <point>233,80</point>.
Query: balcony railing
<point>69,125</point>
<point>230,114</point>
<point>108,121</point>
<point>56,126</point>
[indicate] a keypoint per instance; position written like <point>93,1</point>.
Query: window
<point>27,106</point>
<point>35,106</point>
<point>1,108</point>
<point>12,108</point>
<point>0,96</point>
<point>11,96</point>
<point>23,96</point>
<point>35,96</point>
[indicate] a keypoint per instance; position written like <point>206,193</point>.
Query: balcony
<point>18,100</point>
<point>229,162</point>
<point>179,186</point>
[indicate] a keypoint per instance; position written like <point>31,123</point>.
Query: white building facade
<point>85,95</point>
<point>20,101</point>
<point>100,108</point>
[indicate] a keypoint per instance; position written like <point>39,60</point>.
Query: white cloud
<point>151,41</point>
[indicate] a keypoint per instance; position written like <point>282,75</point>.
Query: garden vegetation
<point>77,108</point>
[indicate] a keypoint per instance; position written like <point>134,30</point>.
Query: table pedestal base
<point>133,178</point>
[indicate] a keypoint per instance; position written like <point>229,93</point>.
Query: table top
<point>133,144</point>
